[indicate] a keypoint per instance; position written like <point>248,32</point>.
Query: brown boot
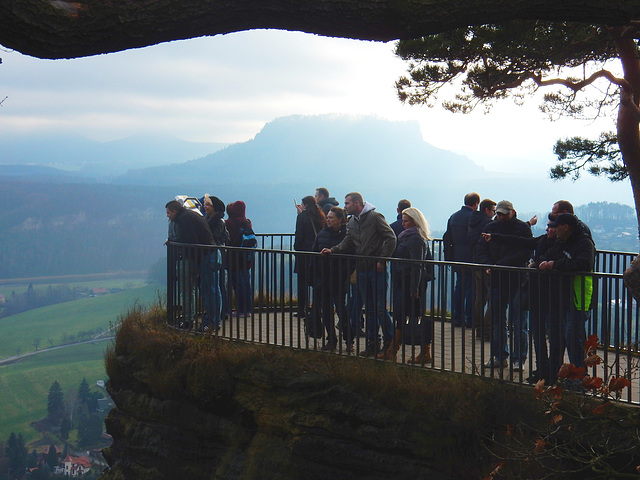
<point>423,357</point>
<point>392,350</point>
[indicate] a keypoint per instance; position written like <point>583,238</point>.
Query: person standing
<point>505,286</point>
<point>397,225</point>
<point>575,252</point>
<point>369,234</point>
<point>478,220</point>
<point>458,249</point>
<point>309,222</point>
<point>324,201</point>
<point>410,285</point>
<point>212,266</point>
<point>240,262</point>
<point>331,281</point>
<point>187,227</point>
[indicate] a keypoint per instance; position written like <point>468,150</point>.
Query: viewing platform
<point>613,316</point>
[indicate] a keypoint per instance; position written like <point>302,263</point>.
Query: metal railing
<point>259,305</point>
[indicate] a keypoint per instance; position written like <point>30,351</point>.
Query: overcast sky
<point>225,88</point>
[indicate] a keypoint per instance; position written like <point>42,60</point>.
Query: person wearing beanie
<point>239,262</point>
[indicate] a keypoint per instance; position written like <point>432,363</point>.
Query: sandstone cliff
<point>204,408</point>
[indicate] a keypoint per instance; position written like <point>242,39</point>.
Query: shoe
<point>423,357</point>
<point>517,366</point>
<point>300,315</point>
<point>330,346</point>
<point>371,350</point>
<point>495,363</point>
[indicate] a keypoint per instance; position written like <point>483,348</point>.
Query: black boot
<point>372,349</point>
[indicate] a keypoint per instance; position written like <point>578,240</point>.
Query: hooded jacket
<point>368,234</point>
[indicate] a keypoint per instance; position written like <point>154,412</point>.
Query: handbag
<point>413,331</point>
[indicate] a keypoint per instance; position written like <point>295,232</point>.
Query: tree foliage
<point>55,404</point>
<point>514,60</point>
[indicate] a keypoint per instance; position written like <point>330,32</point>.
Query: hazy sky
<point>225,88</point>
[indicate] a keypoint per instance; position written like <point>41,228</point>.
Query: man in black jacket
<point>457,249</point>
<point>188,227</point>
<point>478,220</point>
<point>505,286</point>
<point>569,294</point>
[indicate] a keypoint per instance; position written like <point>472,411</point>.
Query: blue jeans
<point>463,299</point>
<point>210,288</point>
<point>373,290</point>
<point>241,282</point>
<point>500,298</point>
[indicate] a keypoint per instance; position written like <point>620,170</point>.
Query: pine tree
<point>52,457</point>
<point>55,404</point>
<point>83,392</point>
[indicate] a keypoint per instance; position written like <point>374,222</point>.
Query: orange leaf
<point>555,419</point>
<point>538,389</point>
<point>592,360</point>
<point>591,345</point>
<point>618,383</point>
<point>571,372</point>
<point>540,445</point>
<point>593,383</point>
<point>556,391</point>
<point>509,430</point>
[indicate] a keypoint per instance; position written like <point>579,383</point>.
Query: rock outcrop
<point>204,408</point>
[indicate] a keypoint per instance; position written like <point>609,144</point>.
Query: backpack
<point>248,240</point>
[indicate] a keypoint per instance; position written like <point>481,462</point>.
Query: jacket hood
<point>367,208</point>
<point>236,209</point>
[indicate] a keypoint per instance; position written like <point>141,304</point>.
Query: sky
<point>226,88</point>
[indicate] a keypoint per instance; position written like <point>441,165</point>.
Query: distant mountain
<point>327,149</point>
<point>98,160</point>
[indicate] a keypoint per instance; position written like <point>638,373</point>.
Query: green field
<point>126,283</point>
<point>24,385</point>
<point>56,324</point>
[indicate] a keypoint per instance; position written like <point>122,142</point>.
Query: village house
<point>76,466</point>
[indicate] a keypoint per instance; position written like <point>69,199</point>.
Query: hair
<point>355,197</point>
<point>340,213</point>
<point>564,206</point>
<point>404,203</point>
<point>315,212</point>
<point>174,206</point>
<point>323,191</point>
<point>471,199</point>
<point>487,203</point>
<point>421,222</point>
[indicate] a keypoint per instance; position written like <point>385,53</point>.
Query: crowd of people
<point>503,305</point>
<point>214,271</point>
<point>552,307</point>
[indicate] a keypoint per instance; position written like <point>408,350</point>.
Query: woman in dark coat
<point>309,222</point>
<point>239,263</point>
<point>409,282</point>
<point>331,281</point>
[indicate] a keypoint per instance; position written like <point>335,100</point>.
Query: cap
<point>504,206</point>
<point>564,219</point>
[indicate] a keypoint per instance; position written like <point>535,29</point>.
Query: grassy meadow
<point>24,384</point>
<point>55,324</point>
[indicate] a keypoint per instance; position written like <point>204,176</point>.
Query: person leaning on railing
<point>576,252</point>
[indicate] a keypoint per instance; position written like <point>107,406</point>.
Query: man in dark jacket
<point>505,286</point>
<point>574,252</point>
<point>397,225</point>
<point>369,234</point>
<point>478,220</point>
<point>189,227</point>
<point>457,249</point>
<point>324,201</point>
